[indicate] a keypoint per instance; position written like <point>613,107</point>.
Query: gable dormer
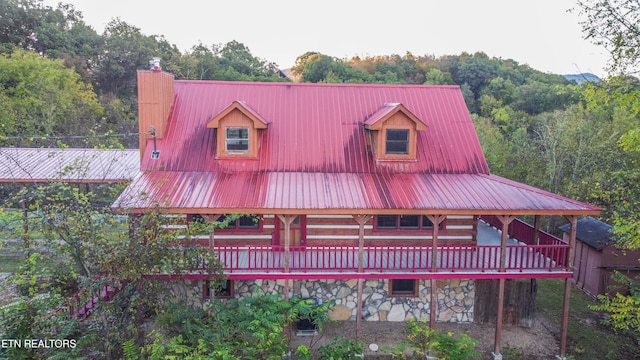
<point>237,131</point>
<point>395,132</point>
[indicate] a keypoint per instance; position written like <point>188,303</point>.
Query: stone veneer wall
<point>455,298</point>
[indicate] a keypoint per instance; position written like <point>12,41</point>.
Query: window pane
<point>226,290</point>
<point>409,222</point>
<point>426,223</point>
<point>237,139</point>
<point>397,142</point>
<point>387,222</point>
<point>403,286</point>
<point>197,218</point>
<point>248,222</point>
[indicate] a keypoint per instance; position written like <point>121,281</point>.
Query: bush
<point>423,340</point>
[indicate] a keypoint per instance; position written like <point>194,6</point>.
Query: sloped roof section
<point>316,156</point>
<point>592,232</point>
<point>331,193</point>
<point>317,128</point>
<point>29,165</point>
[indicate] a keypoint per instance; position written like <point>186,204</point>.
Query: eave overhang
<point>375,121</point>
<point>258,121</point>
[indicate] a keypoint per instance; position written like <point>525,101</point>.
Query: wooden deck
<point>486,260</point>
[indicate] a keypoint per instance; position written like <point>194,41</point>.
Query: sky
<point>541,34</point>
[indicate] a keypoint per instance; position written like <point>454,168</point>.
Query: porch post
<point>536,230</point>
<point>433,301</point>
<point>25,222</point>
<point>287,220</point>
<point>211,218</point>
<point>361,220</point>
<point>506,220</point>
<point>573,220</point>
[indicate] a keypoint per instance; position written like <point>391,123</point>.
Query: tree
<point>126,50</point>
<point>58,33</point>
<point>40,97</point>
<point>95,251</point>
<point>614,25</point>
<point>237,56</point>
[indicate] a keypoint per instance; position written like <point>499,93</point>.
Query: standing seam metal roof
<point>316,155</point>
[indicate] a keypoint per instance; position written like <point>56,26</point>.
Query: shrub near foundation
<point>422,340</point>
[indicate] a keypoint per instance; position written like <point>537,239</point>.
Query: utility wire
<point>45,137</point>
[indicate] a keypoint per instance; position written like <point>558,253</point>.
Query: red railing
<point>524,232</point>
<point>393,258</point>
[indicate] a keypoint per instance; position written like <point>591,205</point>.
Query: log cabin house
<point>367,194</point>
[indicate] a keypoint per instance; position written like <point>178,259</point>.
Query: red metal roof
<point>286,192</point>
<point>26,165</point>
<point>318,128</point>
<point>314,156</point>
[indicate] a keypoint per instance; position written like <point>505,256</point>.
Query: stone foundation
<point>455,298</point>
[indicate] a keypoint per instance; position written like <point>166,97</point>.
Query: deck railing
<point>393,258</point>
<point>524,232</point>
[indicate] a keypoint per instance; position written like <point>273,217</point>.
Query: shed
<point>597,257</point>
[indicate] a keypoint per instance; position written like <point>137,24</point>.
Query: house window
<point>244,222</point>
<point>225,291</point>
<point>403,287</point>
<point>387,222</point>
<point>196,218</point>
<point>237,139</point>
<point>404,222</point>
<point>397,141</point>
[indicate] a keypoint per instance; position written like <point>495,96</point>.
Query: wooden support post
<point>359,309</point>
<point>211,218</point>
<point>506,220</point>
<point>212,243</point>
<point>433,307</point>
<point>536,230</point>
<point>361,220</point>
<point>287,220</point>
<point>26,237</point>
<point>564,324</point>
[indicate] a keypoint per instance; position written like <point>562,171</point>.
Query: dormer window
<point>238,131</point>
<point>395,132</point>
<point>397,141</point>
<point>237,139</point>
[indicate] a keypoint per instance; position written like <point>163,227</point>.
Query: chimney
<point>155,98</point>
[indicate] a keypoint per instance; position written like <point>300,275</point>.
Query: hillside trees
<point>57,33</point>
<point>41,97</point>
<point>614,25</point>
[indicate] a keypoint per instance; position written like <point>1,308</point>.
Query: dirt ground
<point>536,342</point>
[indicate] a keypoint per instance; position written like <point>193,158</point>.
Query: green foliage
<point>41,97</point>
<point>30,316</point>
<point>422,340</point>
<point>341,348</point>
<point>624,310</point>
<point>248,328</point>
<point>613,24</point>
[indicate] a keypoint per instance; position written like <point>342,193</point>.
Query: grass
<point>588,339</point>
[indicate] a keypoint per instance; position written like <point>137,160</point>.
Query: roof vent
<point>154,64</point>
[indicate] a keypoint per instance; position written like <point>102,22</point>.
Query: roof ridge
<point>304,84</point>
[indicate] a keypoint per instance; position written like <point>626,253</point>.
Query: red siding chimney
<point>155,98</point>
